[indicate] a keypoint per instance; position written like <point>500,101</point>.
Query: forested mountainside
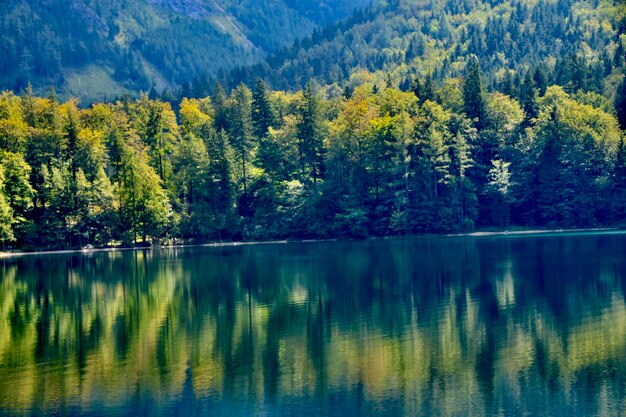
<point>100,48</point>
<point>573,43</point>
<point>409,117</point>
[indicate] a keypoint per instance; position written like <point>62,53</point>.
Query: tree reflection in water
<point>448,326</point>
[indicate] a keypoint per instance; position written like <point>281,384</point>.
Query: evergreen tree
<point>218,193</point>
<point>103,219</point>
<point>618,199</point>
<point>262,113</point>
<point>17,189</point>
<point>620,103</point>
<point>309,134</point>
<point>528,99</point>
<point>220,107</point>
<point>428,92</point>
<point>474,106</point>
<point>506,86</point>
<point>416,87</point>
<point>241,132</point>
<point>6,215</point>
<point>71,147</point>
<point>540,80</point>
<point>549,172</point>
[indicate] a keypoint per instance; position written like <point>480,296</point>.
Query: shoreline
<point>504,233</point>
<point>523,232</point>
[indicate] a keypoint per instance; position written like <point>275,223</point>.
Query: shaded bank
<point>512,233</point>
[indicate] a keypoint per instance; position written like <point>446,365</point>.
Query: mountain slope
<point>399,39</point>
<point>134,44</point>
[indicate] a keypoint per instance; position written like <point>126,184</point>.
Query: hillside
<point>409,117</point>
<point>99,48</point>
<point>574,43</point>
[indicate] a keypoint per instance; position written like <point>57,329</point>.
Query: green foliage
<point>6,214</point>
<point>474,106</point>
<point>376,163</point>
<point>528,136</point>
<point>262,113</point>
<point>620,103</point>
<point>138,45</point>
<point>241,133</point>
<point>309,135</point>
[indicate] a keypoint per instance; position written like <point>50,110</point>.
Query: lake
<point>450,326</point>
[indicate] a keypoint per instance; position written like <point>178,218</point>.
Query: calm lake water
<point>532,325</point>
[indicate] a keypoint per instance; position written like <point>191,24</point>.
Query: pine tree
<point>6,222</point>
<point>506,85</point>
<point>6,215</point>
<point>549,172</point>
<point>620,103</point>
<point>218,193</point>
<point>416,88</point>
<point>71,146</point>
<point>262,113</point>
<point>423,91</point>
<point>242,132</point>
<point>28,106</point>
<point>428,92</point>
<point>619,181</point>
<point>528,99</point>
<point>309,131</point>
<point>220,107</point>
<point>540,80</point>
<point>474,106</point>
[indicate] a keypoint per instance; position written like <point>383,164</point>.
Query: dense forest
<point>97,49</point>
<point>258,164</point>
<point>576,44</point>
<point>409,117</point>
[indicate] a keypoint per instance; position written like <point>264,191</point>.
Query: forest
<point>97,49</point>
<point>259,164</point>
<point>577,44</point>
<point>407,117</point>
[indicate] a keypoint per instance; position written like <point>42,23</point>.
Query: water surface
<point>532,325</point>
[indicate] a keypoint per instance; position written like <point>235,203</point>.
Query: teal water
<point>532,325</point>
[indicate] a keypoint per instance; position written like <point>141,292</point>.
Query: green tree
<point>473,103</point>
<point>620,103</point>
<point>262,113</point>
<point>221,108</point>
<point>6,222</point>
<point>6,215</point>
<point>241,133</point>
<point>18,190</point>
<point>102,221</point>
<point>461,162</point>
<point>528,99</point>
<point>156,124</point>
<point>71,131</point>
<point>310,137</point>
<point>191,161</point>
<point>144,205</point>
<point>499,188</point>
<point>216,217</point>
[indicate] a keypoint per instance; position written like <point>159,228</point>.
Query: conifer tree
<point>474,106</point>
<point>220,107</point>
<point>262,113</point>
<point>242,132</point>
<point>309,131</point>
<point>620,103</point>
<point>528,99</point>
<point>6,215</point>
